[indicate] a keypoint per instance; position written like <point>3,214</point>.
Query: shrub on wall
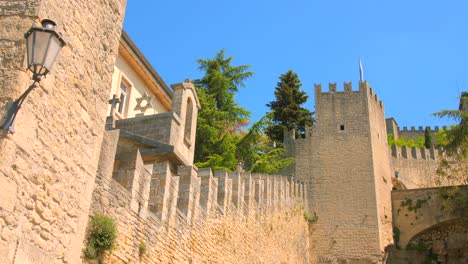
<point>142,248</point>
<point>102,234</point>
<point>403,142</point>
<point>311,218</point>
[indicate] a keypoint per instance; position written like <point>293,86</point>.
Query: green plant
<point>396,236</point>
<point>311,218</point>
<point>102,234</point>
<point>420,142</point>
<point>427,138</point>
<point>409,204</point>
<point>454,199</point>
<point>142,248</point>
<point>420,246</point>
<point>403,142</point>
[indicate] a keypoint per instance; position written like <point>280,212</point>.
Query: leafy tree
<point>287,112</point>
<point>259,153</point>
<point>427,138</point>
<point>420,143</point>
<point>403,142</point>
<point>453,166</point>
<point>457,136</point>
<point>220,119</point>
<point>221,140</point>
<point>441,138</point>
<point>221,81</point>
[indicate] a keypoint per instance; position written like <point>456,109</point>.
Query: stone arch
<point>416,211</point>
<point>447,240</point>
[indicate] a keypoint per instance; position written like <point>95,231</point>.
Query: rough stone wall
<point>381,165</point>
<point>414,167</point>
<point>47,168</point>
<point>183,93</point>
<point>190,215</point>
<point>170,127</point>
<point>337,159</point>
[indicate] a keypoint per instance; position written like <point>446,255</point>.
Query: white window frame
<point>122,108</point>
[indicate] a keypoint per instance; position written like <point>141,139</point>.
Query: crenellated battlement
<point>194,190</point>
<point>364,88</point>
<point>163,203</point>
<point>415,153</point>
<point>421,129</point>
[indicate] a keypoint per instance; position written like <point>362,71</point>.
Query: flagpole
<point>361,73</point>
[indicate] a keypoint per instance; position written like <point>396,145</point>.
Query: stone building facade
<point>103,133</point>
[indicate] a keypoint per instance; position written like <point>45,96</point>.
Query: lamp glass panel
<point>29,44</point>
<point>40,47</point>
<point>54,49</point>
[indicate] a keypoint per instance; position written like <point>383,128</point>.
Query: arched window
<point>188,121</point>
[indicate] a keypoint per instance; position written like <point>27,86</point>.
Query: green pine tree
<point>221,118</point>
<point>287,111</point>
<point>427,138</point>
<point>221,140</point>
<point>258,153</point>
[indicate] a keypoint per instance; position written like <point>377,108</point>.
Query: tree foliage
<point>287,111</point>
<point>221,118</point>
<point>258,153</point>
<point>427,138</point>
<point>457,136</point>
<point>453,166</point>
<point>222,140</point>
<point>403,142</point>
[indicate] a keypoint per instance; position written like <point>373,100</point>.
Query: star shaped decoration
<point>143,103</point>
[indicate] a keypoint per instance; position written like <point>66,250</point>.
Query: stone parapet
<point>187,204</point>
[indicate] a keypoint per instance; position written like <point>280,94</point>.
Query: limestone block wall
<point>48,167</point>
<point>415,167</point>
<point>381,165</point>
<point>194,217</point>
<point>158,127</point>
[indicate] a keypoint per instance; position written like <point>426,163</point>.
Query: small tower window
<point>188,121</point>
<point>341,127</point>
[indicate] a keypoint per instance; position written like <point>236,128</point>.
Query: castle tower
<point>344,160</point>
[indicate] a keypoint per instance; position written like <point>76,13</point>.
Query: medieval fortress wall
<point>48,167</point>
<point>198,216</point>
<point>415,167</point>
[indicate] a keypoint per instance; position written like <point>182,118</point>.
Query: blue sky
<point>414,53</point>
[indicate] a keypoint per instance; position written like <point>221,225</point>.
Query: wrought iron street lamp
<point>43,45</point>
